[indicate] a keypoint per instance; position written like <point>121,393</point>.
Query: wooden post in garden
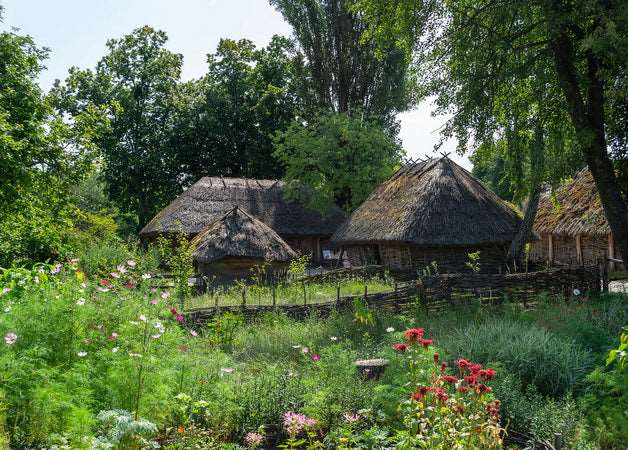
<point>366,292</point>
<point>337,295</point>
<point>558,441</point>
<point>244,297</point>
<point>274,296</point>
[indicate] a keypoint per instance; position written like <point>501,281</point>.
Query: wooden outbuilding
<point>572,226</point>
<point>233,246</point>
<point>430,211</point>
<point>305,230</point>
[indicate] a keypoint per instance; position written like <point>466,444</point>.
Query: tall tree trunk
<point>537,158</point>
<point>588,120</point>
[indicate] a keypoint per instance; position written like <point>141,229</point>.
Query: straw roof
<point>431,203</point>
<point>211,197</point>
<point>575,208</point>
<point>239,234</point>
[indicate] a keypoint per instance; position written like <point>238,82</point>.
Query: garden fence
<point>434,293</point>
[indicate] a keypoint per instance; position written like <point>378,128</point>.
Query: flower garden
<point>102,358</point>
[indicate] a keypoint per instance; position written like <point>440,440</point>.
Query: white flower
<point>115,349</point>
<point>193,333</point>
<point>576,292</point>
<point>74,260</point>
<point>165,295</point>
<point>115,274</point>
<point>159,326</point>
<point>305,349</point>
<point>83,285</point>
<point>80,301</point>
<point>390,330</point>
<point>333,338</point>
<point>102,289</point>
<point>134,355</point>
<point>156,336</point>
<point>7,309</point>
<point>10,338</point>
<point>142,317</point>
<point>36,279</point>
<point>5,290</point>
<point>226,371</point>
<point>296,346</point>
<point>121,268</point>
<point>146,276</point>
<point>82,354</point>
<point>131,263</point>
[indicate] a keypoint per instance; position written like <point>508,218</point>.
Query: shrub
<point>537,356</point>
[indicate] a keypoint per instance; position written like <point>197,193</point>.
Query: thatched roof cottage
<point>233,245</point>
<point>303,229</point>
<point>429,211</point>
<point>572,225</point>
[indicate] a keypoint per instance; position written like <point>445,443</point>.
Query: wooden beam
<point>611,252</point>
<point>550,249</point>
<point>579,250</point>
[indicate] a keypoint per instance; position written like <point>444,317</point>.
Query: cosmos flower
<point>131,263</point>
<point>80,301</point>
<point>82,354</point>
<point>146,276</point>
<point>390,330</point>
<point>10,338</point>
<point>315,357</point>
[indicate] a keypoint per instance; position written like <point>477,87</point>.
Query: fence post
<point>244,297</point>
<point>366,291</point>
<point>215,299</point>
<point>274,296</point>
<point>558,441</point>
<point>337,295</point>
<point>304,295</point>
<point>395,287</point>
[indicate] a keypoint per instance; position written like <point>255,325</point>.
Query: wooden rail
<point>435,293</point>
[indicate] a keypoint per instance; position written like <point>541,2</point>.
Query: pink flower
<point>193,333</point>
<point>179,318</point>
<point>5,290</point>
<point>121,268</point>
<point>253,439</point>
<point>131,263</point>
<point>414,334</point>
<point>350,417</point>
<point>294,423</point>
<point>154,301</point>
<point>10,338</point>
<point>165,295</point>
<point>106,283</point>
<point>315,357</point>
<point>115,275</point>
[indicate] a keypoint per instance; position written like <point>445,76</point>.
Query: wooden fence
<point>437,292</point>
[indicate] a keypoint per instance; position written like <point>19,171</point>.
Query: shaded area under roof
<point>211,197</point>
<point>431,203</point>
<point>239,234</point>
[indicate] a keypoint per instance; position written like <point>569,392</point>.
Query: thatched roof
<point>239,234</point>
<point>211,197</point>
<point>575,208</point>
<point>431,203</point>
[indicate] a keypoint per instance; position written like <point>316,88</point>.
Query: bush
<point>537,356</point>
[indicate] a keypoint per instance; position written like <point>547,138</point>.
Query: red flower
<point>441,395</point>
<point>420,392</point>
<point>129,285</point>
<point>462,363</point>
<point>425,343</point>
<point>471,379</point>
<point>482,389</point>
<point>450,379</point>
<point>173,311</point>
<point>475,368</point>
<point>463,389</point>
<point>443,367</point>
<point>436,356</point>
<point>106,283</point>
<point>316,357</point>
<point>414,334</point>
<point>493,409</point>
<point>487,374</point>
<point>401,347</point>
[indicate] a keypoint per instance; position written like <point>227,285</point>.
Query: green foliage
<point>473,261</point>
<point>552,364</point>
<point>121,431</point>
<point>176,256</point>
<point>335,158</point>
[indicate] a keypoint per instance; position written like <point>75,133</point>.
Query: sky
<point>76,31</point>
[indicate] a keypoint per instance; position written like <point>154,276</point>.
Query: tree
<point>135,82</point>
<point>566,60</point>
<point>335,158</point>
<point>226,120</point>
<point>41,157</point>
<point>347,71</point>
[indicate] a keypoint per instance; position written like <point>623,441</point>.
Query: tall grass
<point>553,364</point>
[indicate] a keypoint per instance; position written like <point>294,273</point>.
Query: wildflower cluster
<point>446,410</point>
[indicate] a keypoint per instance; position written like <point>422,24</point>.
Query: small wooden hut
<point>304,229</point>
<point>572,226</point>
<point>430,211</point>
<point>229,248</point>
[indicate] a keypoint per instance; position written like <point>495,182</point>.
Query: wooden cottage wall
<point>594,249</point>
<point>305,245</point>
<point>539,250</point>
<point>231,268</point>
